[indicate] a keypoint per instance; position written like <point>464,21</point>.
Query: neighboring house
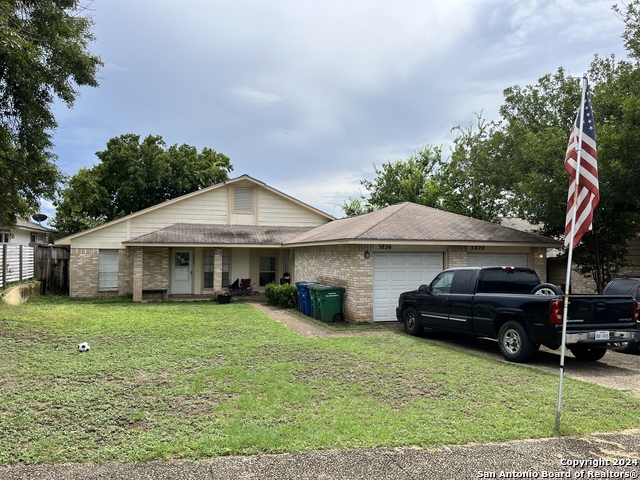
<point>199,243</point>
<point>24,233</point>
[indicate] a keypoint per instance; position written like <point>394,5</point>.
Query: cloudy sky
<point>307,95</point>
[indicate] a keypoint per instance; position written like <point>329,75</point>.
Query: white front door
<point>181,272</point>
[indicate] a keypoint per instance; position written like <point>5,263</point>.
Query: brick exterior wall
<point>340,266</point>
<point>83,272</point>
<point>456,257</point>
<point>540,262</point>
<point>155,271</point>
<point>125,272</point>
<point>217,271</point>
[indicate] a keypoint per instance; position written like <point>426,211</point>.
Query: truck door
<point>460,299</point>
<point>434,305</point>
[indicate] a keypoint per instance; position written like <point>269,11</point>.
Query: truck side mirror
<point>424,289</point>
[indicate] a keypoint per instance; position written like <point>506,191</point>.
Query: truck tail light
<point>555,312</point>
<point>636,311</point>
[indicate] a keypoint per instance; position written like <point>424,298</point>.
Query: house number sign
<point>384,246</point>
<point>477,247</point>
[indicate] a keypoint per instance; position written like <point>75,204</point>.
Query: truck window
<point>442,283</point>
<point>621,286</point>
<point>462,281</point>
<point>507,281</point>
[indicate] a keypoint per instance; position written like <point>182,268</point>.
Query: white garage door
<point>497,260</point>
<point>394,273</point>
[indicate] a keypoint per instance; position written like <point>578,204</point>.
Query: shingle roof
<point>202,234</point>
<point>28,225</point>
<point>411,222</point>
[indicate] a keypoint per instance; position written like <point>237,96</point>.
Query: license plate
<point>602,335</point>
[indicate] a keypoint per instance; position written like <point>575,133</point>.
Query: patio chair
<point>246,287</point>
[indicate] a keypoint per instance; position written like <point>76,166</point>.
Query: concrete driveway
<point>615,370</point>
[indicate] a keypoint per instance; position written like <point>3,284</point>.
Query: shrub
<point>284,296</point>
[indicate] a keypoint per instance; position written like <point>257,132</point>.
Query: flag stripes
<point>586,165</point>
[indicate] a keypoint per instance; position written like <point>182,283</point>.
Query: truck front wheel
<point>514,342</point>
<point>591,354</point>
<point>411,323</point>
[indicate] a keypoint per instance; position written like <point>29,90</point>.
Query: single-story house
<point>26,232</point>
<point>201,242</point>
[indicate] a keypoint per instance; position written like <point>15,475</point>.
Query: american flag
<point>588,191</point>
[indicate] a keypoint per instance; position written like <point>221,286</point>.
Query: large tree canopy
<point>400,181</point>
<point>133,175</point>
<point>43,56</point>
<point>515,166</point>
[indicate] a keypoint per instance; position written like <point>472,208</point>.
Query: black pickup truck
<point>513,306</point>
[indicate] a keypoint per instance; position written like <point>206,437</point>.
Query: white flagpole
<point>570,256</point>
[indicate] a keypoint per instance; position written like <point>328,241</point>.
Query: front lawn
<point>194,380</point>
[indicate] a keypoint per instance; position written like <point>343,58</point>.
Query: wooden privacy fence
<point>52,268</point>
<point>16,264</point>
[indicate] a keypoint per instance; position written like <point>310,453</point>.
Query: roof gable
<point>155,211</point>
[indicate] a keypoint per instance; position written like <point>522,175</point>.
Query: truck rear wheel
<point>546,289</point>
<point>411,323</point>
<point>590,354</point>
<point>514,342</point>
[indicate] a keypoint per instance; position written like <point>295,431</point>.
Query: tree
<point>411,180</point>
<point>43,56</point>
<point>133,175</point>
<point>519,160</point>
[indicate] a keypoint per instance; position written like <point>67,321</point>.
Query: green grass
<point>194,380</point>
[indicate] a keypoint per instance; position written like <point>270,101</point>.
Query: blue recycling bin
<point>304,300</point>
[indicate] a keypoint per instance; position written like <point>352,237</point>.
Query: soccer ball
<point>83,347</point>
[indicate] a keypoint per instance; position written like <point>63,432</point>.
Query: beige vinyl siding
<point>240,264</point>
<point>108,237</point>
<point>210,208</point>
<point>277,210</point>
<point>242,219</point>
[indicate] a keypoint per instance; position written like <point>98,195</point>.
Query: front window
<point>34,238</point>
<point>208,268</point>
<point>267,270</point>
<point>225,268</point>
<point>108,270</point>
<point>4,237</point>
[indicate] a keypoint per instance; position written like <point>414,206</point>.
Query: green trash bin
<point>315,307</point>
<point>329,300</point>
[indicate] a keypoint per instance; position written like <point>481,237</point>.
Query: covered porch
<point>202,261</point>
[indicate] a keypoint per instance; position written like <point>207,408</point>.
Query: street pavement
<point>605,455</point>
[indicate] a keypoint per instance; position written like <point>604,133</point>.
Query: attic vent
<point>243,199</point>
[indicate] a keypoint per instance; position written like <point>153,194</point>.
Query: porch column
<point>137,274</point>
<point>217,271</point>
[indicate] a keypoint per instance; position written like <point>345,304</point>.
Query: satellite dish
<point>39,217</point>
